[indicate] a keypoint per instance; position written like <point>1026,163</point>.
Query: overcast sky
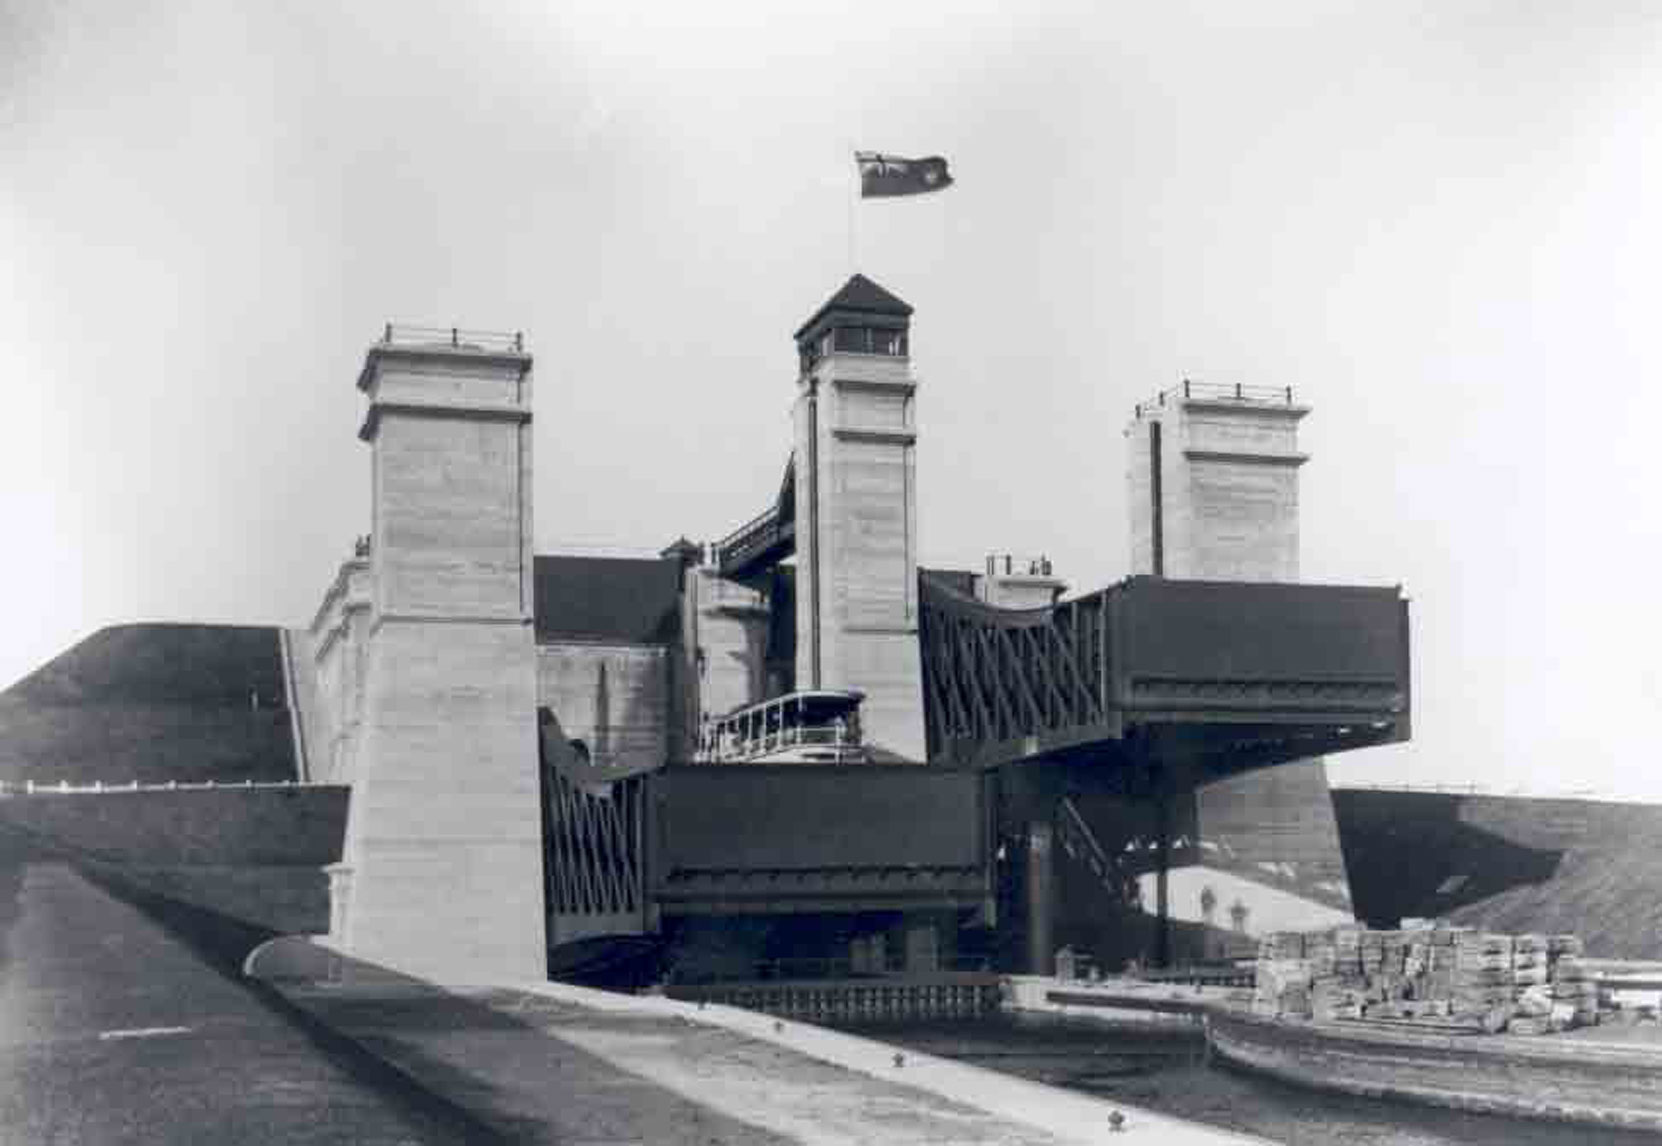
<point>1439,223</point>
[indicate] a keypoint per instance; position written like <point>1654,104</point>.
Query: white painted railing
<point>65,788</point>
<point>1492,790</point>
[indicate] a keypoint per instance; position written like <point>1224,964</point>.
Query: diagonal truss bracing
<point>1250,670</point>
<point>594,846</point>
<point>994,676</point>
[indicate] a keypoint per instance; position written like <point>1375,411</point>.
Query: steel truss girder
<point>1001,685</point>
<point>594,847</point>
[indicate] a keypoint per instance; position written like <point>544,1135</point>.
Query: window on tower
<point>870,340</point>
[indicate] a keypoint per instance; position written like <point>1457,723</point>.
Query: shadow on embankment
<point>1505,863</point>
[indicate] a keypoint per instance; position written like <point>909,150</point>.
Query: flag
<point>884,175</point>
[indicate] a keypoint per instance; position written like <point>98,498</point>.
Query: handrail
<point>741,748</point>
<point>1219,391</point>
<point>1474,789</point>
<point>457,338</point>
<point>65,788</point>
<point>840,967</point>
<point>753,536</point>
<point>1018,565</point>
<point>755,525</point>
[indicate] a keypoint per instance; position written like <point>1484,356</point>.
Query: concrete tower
<point>441,874</point>
<point>1213,483</point>
<point>856,512</point>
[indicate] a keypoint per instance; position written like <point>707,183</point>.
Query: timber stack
<point>1435,978</point>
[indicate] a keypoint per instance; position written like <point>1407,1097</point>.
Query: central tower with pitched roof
<point>856,512</point>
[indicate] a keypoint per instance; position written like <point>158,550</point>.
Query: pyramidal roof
<point>860,295</point>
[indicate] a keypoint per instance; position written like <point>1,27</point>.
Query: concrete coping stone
<point>1069,1116</point>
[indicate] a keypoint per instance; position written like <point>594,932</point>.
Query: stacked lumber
<point>1435,977</point>
<point>1281,981</point>
<point>1575,993</point>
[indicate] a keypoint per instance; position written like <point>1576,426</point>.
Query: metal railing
<point>455,337</point>
<point>735,748</point>
<point>65,788</point>
<point>1474,789</point>
<point>1219,392</point>
<point>1011,564</point>
<point>755,536</point>
<point>836,967</point>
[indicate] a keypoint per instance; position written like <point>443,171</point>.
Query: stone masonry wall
<point>614,698</point>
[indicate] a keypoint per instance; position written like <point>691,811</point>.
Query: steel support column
<point>1041,898</point>
<point>1162,892</point>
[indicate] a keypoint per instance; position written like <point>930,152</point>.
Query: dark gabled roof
<point>859,295</point>
<point>629,600</point>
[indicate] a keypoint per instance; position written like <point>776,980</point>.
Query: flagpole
<point>853,214</point>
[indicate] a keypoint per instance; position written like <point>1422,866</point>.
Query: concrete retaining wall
<point>255,856</point>
<point>217,827</point>
<point>614,698</point>
<point>281,900</point>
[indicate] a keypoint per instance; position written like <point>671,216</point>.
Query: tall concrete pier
<point>1213,483</point>
<point>856,512</point>
<point>1212,475</point>
<point>441,873</point>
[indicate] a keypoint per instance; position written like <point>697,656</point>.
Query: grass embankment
<point>152,703</point>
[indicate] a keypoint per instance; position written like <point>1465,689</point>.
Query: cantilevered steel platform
<point>1225,676</point>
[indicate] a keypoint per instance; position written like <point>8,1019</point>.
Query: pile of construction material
<point>1441,978</point>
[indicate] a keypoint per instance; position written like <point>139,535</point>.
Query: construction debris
<point>1433,977</point>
